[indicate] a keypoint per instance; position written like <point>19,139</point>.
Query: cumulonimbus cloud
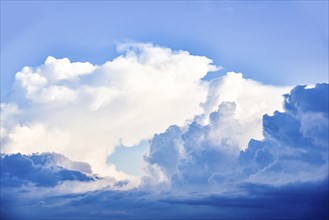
<point>83,110</point>
<point>224,145</point>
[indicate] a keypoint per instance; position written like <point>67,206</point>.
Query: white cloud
<point>252,100</point>
<point>83,111</point>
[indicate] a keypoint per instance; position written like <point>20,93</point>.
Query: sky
<point>290,37</point>
<point>164,110</point>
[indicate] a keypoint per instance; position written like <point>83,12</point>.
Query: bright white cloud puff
<point>83,111</point>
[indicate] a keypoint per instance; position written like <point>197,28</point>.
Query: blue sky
<point>164,109</point>
<point>134,155</point>
<point>290,37</point>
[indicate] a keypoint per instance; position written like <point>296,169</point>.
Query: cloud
<point>228,147</point>
<point>257,201</point>
<point>296,144</point>
<point>209,158</point>
<point>83,110</point>
<point>251,101</point>
<point>41,170</point>
<point>209,145</point>
<point>194,171</point>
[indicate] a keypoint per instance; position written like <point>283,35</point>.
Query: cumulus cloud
<point>208,157</point>
<point>296,144</point>
<point>251,101</point>
<point>83,110</point>
<point>226,148</point>
<point>207,149</point>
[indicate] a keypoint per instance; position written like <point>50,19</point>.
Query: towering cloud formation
<point>226,148</point>
<point>205,157</point>
<point>83,111</point>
